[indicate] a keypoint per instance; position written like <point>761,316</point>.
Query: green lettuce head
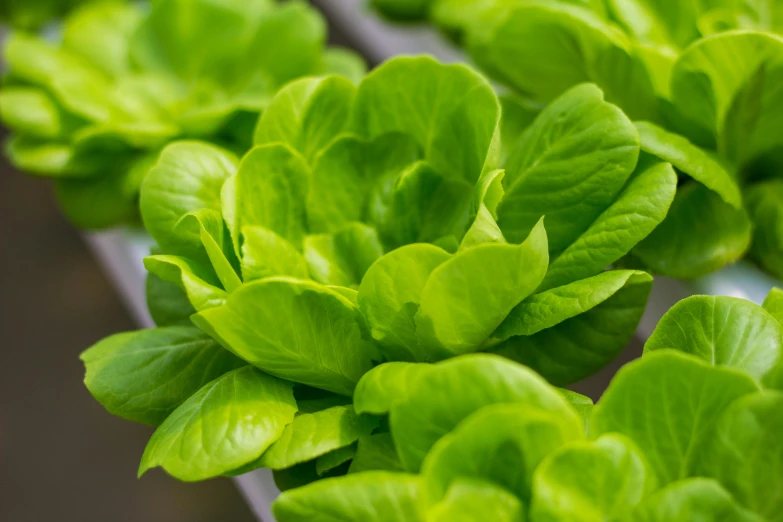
<point>399,220</point>
<point>699,79</point>
<point>93,111</point>
<point>691,431</point>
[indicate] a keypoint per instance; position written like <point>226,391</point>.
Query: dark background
<point>62,457</point>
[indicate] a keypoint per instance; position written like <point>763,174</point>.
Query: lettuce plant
<point>93,111</point>
<point>691,431</point>
<point>706,99</point>
<point>399,220</point>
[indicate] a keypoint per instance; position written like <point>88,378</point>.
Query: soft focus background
<point>62,457</point>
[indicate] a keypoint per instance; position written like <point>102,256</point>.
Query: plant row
<point>92,110</point>
<point>380,231</point>
<point>703,73</point>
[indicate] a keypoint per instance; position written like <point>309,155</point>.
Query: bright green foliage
<point>372,223</point>
<point>703,79</point>
<point>226,424</point>
<point>672,439</point>
<point>146,375</point>
<point>32,14</point>
<point>124,80</point>
<point>591,481</point>
<point>723,331</point>
<point>682,397</point>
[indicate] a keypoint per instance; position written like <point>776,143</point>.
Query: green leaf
<point>439,400</point>
<point>419,206</point>
<point>145,375</point>
<point>101,32</point>
<point>506,455</point>
<point>312,435</point>
<point>581,403</point>
<point>228,423</point>
<point>389,297</point>
<point>320,343</point>
<point>271,186</point>
<point>637,211</point>
<point>681,399</point>
<point>375,495</point>
<point>167,303</point>
<point>525,47</point>
<point>570,165</point>
<point>188,176</point>
<point>710,73</point>
<point>774,304</point>
<point>30,111</point>
<point>265,254</point>
<point>334,459</point>
<point>216,242</point>
<point>346,173</point>
<point>449,110</point>
<point>578,347</point>
<point>376,453</point>
<point>517,115</point>
<point>665,22</point>
<point>469,499</point>
<point>765,206</point>
<point>722,331</point>
<point>746,453</point>
<point>468,296</point>
<point>199,282</point>
<point>386,384</point>
<point>591,481</point>
<point>547,309</point>
<point>307,114</point>
<point>691,160</point>
<point>700,234</point>
<point>692,499</point>
<point>343,258</point>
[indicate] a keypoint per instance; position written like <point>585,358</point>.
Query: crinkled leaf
<point>570,165</point>
<point>376,453</point>
<point>229,422</point>
<point>145,375</point>
<point>591,481</point>
<point>667,403</point>
<point>440,399</point>
<point>468,296</point>
<point>390,293</point>
<point>271,186</point>
<point>583,344</point>
<point>449,110</point>
<point>386,384</point>
<point>307,114</point>
<point>723,331</point>
<point>188,176</point>
<point>296,330</point>
<point>199,281</point>
<point>266,254</point>
<point>216,242</point>
<point>746,453</point>
<point>343,258</point>
<point>691,160</point>
<point>312,435</point>
<point>346,173</point>
<point>506,455</point>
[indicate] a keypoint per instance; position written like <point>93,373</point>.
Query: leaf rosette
<point>398,220</point>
